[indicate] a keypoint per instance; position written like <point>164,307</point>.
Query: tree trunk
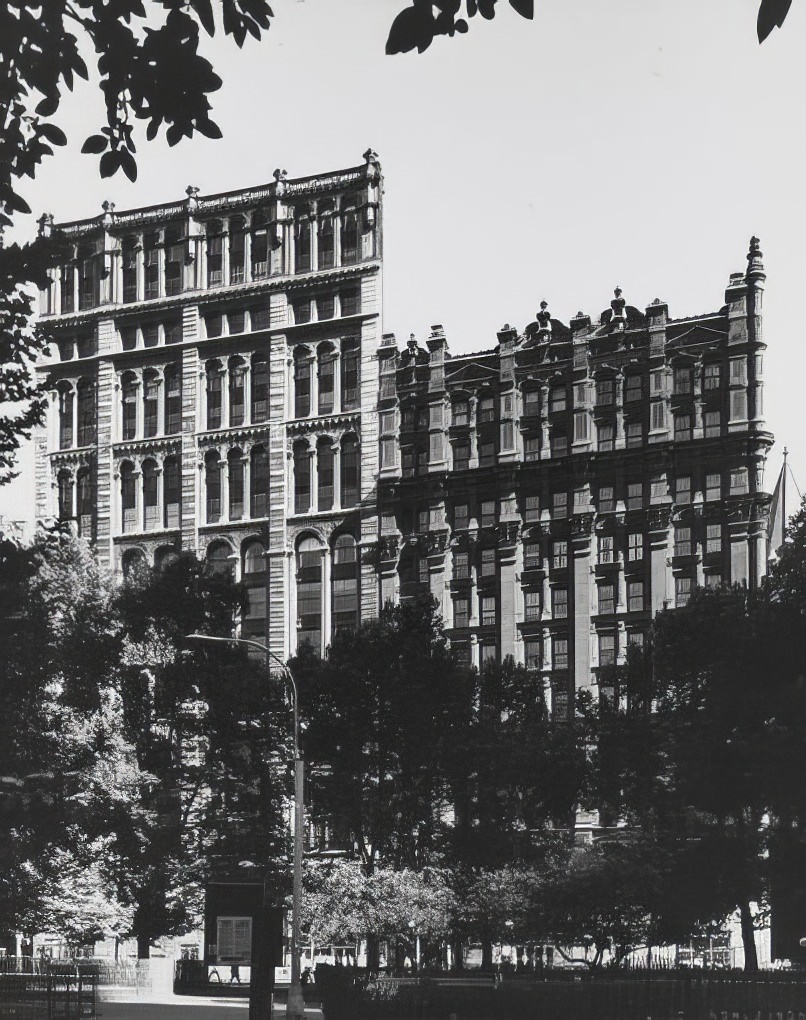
<point>143,947</point>
<point>748,938</point>
<point>457,952</point>
<point>486,954</point>
<point>373,954</point>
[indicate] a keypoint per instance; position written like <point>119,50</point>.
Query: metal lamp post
<point>295,1008</point>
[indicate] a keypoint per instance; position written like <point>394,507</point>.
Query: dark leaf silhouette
<point>412,29</point>
<point>771,14</point>
<point>526,8</point>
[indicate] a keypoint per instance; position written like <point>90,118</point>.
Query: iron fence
<point>48,993</point>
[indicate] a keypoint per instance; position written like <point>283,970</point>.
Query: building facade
<point>223,385</point>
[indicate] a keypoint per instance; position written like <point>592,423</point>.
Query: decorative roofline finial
<point>618,304</point>
<point>45,223</point>
<point>544,318</point>
<point>755,267</point>
<point>109,213</point>
<point>280,185</point>
<point>193,201</point>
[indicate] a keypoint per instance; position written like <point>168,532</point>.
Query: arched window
<point>172,492</point>
<point>237,380</point>
<point>254,579</point>
<point>302,248</point>
<point>128,387</point>
<point>214,394</point>
<point>151,403</point>
<point>302,478</point>
<point>309,593</point>
<point>85,499</point>
<point>302,383</point>
<point>173,401</point>
<point>350,471</point>
<point>326,370</point>
<point>350,375</point>
<point>151,510</point>
<point>66,398</point>
<point>212,486</point>
<point>260,388</point>
<point>86,412</point>
<point>235,476</point>
<point>65,483</point>
<point>133,563</point>
<point>324,472</point>
<point>345,584</point>
<point>218,558</point>
<point>259,481</point>
<point>128,496</point>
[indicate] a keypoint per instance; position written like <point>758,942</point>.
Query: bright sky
<point>607,142</point>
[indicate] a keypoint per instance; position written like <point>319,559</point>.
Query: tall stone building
<point>222,385</point>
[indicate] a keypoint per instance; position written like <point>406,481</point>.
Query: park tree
<point>381,711</point>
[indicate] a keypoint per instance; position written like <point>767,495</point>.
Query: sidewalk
<point>187,1007</point>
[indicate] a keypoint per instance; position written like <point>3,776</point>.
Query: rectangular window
<point>606,548</point>
<point>435,452</point>
<point>682,591</point>
<point>388,453</point>
<point>738,482</point>
<point>461,456</point>
<point>559,653</point>
<point>486,454</point>
<point>151,401</point>
<point>659,415</point>
<point>635,433</point>
<point>559,554</point>
<point>605,392</point>
<point>461,412</point>
<point>531,604</point>
<point>486,410</point>
<point>738,405</point>
<point>461,517</point>
<point>236,322</point>
<point>635,596</point>
<point>151,334</point>
<point>488,563</point>
<point>531,447</point>
<point>215,250</point>
<point>682,541</point>
<point>388,386</point>
<point>461,566</point>
<point>711,376</point>
<point>581,500</point>
<point>559,603</point>
<point>607,599</point>
<point>488,514</point>
<point>607,499</point>
<point>713,580</point>
<point>461,612</point>
<point>607,649</point>
<point>657,489</point>
<point>557,398</point>
<point>713,538</point>
<point>633,389</point>
<point>658,381</point>
<point>635,495</point>
<point>234,936</point>
<point>531,556</point>
<point>713,486</point>
<point>581,427</point>
<point>559,502</point>
<point>350,301</point>
<point>387,421</point>
<point>559,444</point>
<point>488,611</point>
<point>738,371</point>
<point>635,546</point>
<point>213,324</point>
<point>325,307</point>
<point>682,427</point>
<point>259,317</point>
<point>531,402</point>
<point>682,490</point>
<point>713,424</point>
<point>605,437</point>
<point>531,509</point>
<point>531,653</point>
<point>682,381</point>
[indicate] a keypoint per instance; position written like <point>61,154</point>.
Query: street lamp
<point>295,1008</point>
